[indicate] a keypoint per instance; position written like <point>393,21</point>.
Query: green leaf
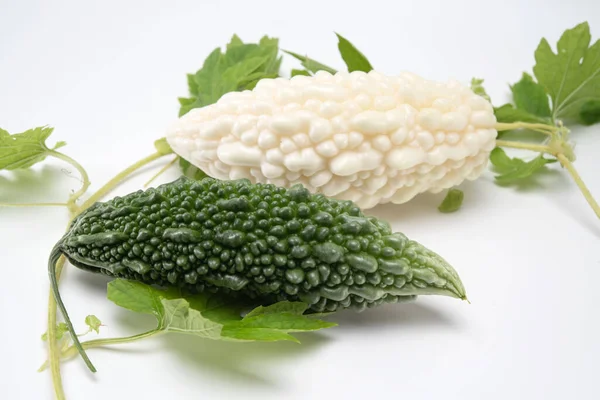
<point>192,85</point>
<point>188,104</point>
<point>531,97</point>
<point>240,72</point>
<point>310,64</point>
<point>177,316</point>
<point>508,113</point>
<point>190,170</point>
<point>477,88</point>
<point>452,201</point>
<point>502,162</point>
<point>300,72</point>
<point>61,329</point>
<point>515,169</point>
<point>251,80</point>
<point>272,326</point>
<point>256,334</point>
<point>213,316</point>
<point>293,307</point>
<point>93,322</point>
<point>571,75</point>
<point>354,59</point>
<point>590,112</point>
<point>136,296</point>
<point>23,150</point>
<point>235,41</point>
<point>239,68</point>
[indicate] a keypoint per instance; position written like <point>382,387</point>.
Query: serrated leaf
<point>214,316</point>
<point>531,97</point>
<point>93,323</point>
<point>310,64</point>
<point>267,41</point>
<point>235,41</point>
<point>571,75</point>
<point>590,112</point>
<point>478,89</point>
<point>23,150</point>
<point>515,169</point>
<point>239,68</point>
<point>502,162</point>
<point>190,170</point>
<point>355,60</point>
<point>452,201</point>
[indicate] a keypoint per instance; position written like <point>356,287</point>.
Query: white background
<point>107,75</point>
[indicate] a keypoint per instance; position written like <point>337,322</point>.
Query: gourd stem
<point>52,261</point>
<point>108,186</point>
<point>71,351</point>
<point>162,171</point>
<point>34,205</point>
<point>586,192</point>
<point>525,146</point>
<point>543,128</point>
<point>71,204</point>
<point>53,352</point>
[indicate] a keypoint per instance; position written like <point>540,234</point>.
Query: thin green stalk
<point>71,204</point>
<point>586,192</point>
<point>543,128</point>
<point>34,205</point>
<point>525,146</point>
<point>71,351</point>
<point>162,171</point>
<point>110,185</point>
<point>53,351</point>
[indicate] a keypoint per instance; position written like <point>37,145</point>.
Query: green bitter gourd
<point>264,242</point>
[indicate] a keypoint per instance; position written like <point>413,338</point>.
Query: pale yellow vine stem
<point>71,351</point>
<point>586,192</point>
<point>72,202</point>
<point>110,185</point>
<point>162,171</point>
<point>524,146</point>
<point>543,128</point>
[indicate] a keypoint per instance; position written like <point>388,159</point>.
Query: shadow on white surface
<point>250,363</point>
<point>424,206</point>
<point>93,282</point>
<point>43,183</point>
<point>413,314</point>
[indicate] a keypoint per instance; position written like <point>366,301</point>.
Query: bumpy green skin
<point>259,240</point>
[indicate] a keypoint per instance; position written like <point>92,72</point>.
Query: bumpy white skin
<point>365,137</point>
